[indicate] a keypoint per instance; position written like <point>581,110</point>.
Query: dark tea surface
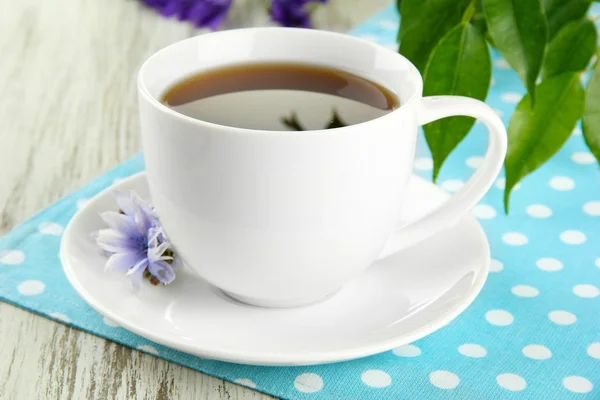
<point>280,97</point>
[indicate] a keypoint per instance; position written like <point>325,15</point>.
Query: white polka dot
<point>408,350</point>
<point>110,322</point>
<point>562,183</point>
<point>444,379</point>
<point>81,202</point>
<point>511,382</point>
<point>31,288</point>
<point>573,237</point>
<point>245,382</point>
<point>391,46</point>
<point>525,291</point>
<point>577,384</point>
<point>423,164</point>
<point>308,382</point>
<point>592,208</point>
<point>593,350</point>
<point>388,24</point>
<point>549,264</point>
<point>472,350</point>
<point>515,238</point>
<point>474,162</point>
<point>117,180</point>
<point>499,112</point>
<point>483,211</point>
<point>452,185</point>
<point>12,257</point>
<point>539,211</point>
<point>61,317</point>
<point>577,132</point>
<point>499,317</point>
<point>501,184</point>
<point>370,38</point>
<point>148,349</point>
<point>598,262</point>
<point>511,97</point>
<point>376,378</point>
<point>537,352</point>
<point>50,228</point>
<point>492,82</point>
<point>583,157</point>
<point>586,291</point>
<point>501,64</point>
<point>561,317</point>
<point>496,266</point>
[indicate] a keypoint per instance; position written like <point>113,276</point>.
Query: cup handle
<point>449,213</point>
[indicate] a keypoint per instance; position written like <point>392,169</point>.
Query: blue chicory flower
<point>135,241</point>
<point>202,13</point>
<point>293,13</point>
<point>209,13</point>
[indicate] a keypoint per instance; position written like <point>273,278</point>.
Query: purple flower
<point>202,13</point>
<point>136,242</point>
<point>209,13</point>
<point>294,13</point>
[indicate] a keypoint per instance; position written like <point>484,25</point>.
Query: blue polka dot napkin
<point>533,332</point>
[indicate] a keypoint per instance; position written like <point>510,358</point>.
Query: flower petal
<point>155,252</point>
<point>124,261</point>
<point>120,222</point>
<point>144,217</point>
<point>155,236</point>
<point>171,8</point>
<point>125,202</point>
<point>159,232</point>
<point>209,13</point>
<point>291,13</point>
<point>137,275</point>
<point>161,271</point>
<point>142,264</point>
<point>114,241</point>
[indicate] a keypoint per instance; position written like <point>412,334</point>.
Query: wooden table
<point>68,112</point>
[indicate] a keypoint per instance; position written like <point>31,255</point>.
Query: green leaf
<point>591,116</point>
<point>478,21</point>
<point>459,65</point>
<point>536,134</point>
<point>561,12</point>
<point>572,48</point>
<point>519,30</point>
<point>425,22</point>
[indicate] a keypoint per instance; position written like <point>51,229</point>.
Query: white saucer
<point>397,301</point>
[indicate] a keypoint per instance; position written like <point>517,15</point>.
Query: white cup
<point>282,219</point>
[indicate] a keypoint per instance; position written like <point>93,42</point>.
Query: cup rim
<point>404,106</point>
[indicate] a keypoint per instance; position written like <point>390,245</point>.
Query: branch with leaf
<point>549,43</point>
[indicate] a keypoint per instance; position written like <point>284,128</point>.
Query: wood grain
<point>68,112</point>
